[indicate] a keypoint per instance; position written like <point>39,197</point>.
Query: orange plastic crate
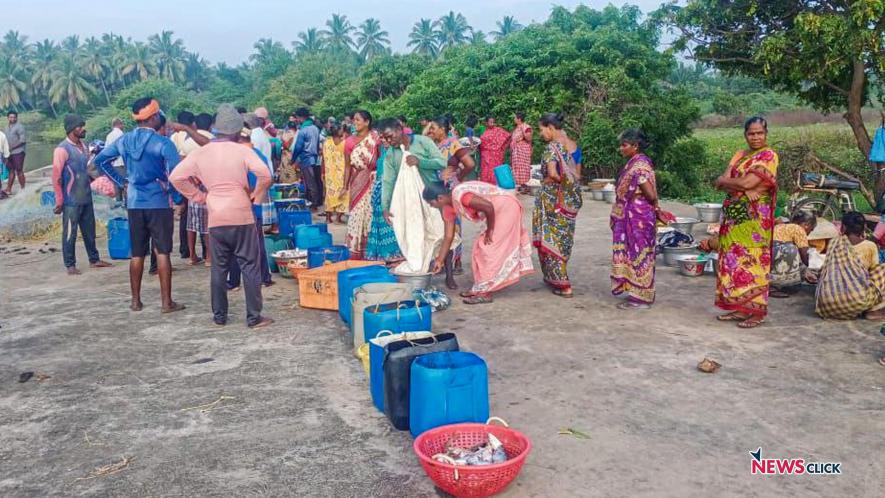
<point>318,288</point>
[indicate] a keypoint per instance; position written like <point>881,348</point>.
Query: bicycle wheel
<point>822,208</point>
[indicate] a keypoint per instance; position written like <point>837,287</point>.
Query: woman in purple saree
<point>633,219</point>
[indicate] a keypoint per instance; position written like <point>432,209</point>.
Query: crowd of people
<point>214,171</point>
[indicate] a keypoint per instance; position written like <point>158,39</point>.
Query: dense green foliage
<point>828,53</point>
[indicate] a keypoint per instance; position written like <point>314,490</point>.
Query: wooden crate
<point>318,288</point>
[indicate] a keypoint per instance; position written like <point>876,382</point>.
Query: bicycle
<point>827,196</point>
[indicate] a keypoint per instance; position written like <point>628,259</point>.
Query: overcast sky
<point>224,30</point>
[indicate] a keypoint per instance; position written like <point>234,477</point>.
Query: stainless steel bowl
<point>709,212</point>
<point>418,282</point>
<point>690,266</point>
<point>685,225</point>
<point>609,196</point>
<point>597,195</point>
<point>672,254</point>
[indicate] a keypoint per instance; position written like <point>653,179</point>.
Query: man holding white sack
<point>412,162</point>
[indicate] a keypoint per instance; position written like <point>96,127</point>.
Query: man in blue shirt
<point>149,158</point>
<point>305,153</point>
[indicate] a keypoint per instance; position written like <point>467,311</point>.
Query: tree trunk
<point>854,118</point>
<point>107,97</point>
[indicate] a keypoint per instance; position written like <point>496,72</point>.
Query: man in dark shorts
<point>15,135</point>
<point>149,158</point>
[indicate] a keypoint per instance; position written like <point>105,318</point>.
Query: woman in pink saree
<point>502,252</point>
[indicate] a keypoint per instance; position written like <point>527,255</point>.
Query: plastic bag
<point>437,299</point>
<point>488,453</point>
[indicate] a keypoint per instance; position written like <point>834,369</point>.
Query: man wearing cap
<point>73,196</point>
<point>149,158</point>
<point>305,153</point>
<point>222,168</point>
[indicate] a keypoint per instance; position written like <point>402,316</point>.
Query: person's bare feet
<point>72,270</point>
<point>100,264</point>
<point>264,322</point>
<point>172,308</point>
<point>136,305</point>
<point>451,284</point>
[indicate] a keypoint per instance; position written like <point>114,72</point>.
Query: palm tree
<point>371,39</point>
<point>338,38</point>
<point>168,55</point>
<point>423,38</point>
<point>114,48</point>
<point>45,53</point>
<point>12,83</point>
<point>139,63</point>
<point>195,71</point>
<point>266,50</point>
<point>311,41</point>
<point>452,29</point>
<point>15,46</point>
<point>69,83</point>
<point>506,26</point>
<point>95,64</point>
<point>477,37</point>
<point>71,45</point>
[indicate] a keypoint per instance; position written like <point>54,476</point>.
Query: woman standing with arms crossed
<point>557,204</point>
<point>745,234</point>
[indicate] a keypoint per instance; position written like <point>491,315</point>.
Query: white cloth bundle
<point>418,226</point>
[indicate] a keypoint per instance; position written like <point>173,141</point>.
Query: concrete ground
<point>293,415</point>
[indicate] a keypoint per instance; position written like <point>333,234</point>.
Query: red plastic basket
<point>471,481</point>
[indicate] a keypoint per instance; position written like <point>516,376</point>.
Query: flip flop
<point>562,293</point>
<point>751,323</point>
<point>194,262</point>
<point>466,294</point>
<point>632,306</point>
<point>734,316</point>
<point>172,309</point>
<point>882,361</point>
<point>478,299</point>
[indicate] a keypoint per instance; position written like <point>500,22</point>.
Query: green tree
<point>69,83</point>
<point>506,26</point>
<point>138,62</point>
<point>15,46</point>
<point>309,42</point>
<point>424,38</point>
<point>388,76</point>
<point>371,40</point>
<point>452,30</point>
<point>12,83</point>
<point>45,53</point>
<point>96,64</point>
<point>338,35</point>
<point>477,36</point>
<point>828,53</point>
<point>168,54</point>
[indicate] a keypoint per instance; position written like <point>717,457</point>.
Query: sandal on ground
<point>882,361</point>
<point>734,316</point>
<point>478,299</point>
<point>194,262</point>
<point>751,323</point>
<point>632,306</point>
<point>452,285</point>
<point>466,294</point>
<point>173,308</point>
<point>561,293</point>
<point>875,316</point>
<point>779,294</point>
